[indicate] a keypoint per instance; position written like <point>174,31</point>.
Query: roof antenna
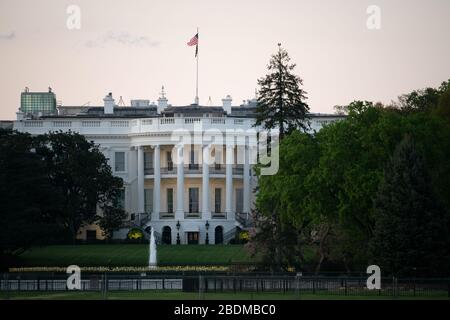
<point>209,101</point>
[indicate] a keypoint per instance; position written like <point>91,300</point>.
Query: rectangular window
<point>119,161</point>
<point>169,161</point>
<point>217,200</point>
<point>239,200</point>
<point>170,200</point>
<point>193,200</point>
<point>148,200</point>
<point>218,158</point>
<point>193,159</point>
<point>148,160</point>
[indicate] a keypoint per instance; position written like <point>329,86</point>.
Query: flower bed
<point>127,269</point>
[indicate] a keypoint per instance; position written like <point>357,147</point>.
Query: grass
<point>178,295</point>
<point>132,255</point>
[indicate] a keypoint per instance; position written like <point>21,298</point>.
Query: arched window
<point>218,235</point>
<point>167,235</point>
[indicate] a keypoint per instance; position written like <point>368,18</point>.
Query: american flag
<point>193,41</point>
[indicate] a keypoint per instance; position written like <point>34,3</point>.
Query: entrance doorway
<point>218,235</point>
<point>167,235</point>
<point>192,237</point>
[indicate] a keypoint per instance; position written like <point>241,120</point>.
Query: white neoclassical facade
<point>187,170</point>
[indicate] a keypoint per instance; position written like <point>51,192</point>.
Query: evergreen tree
<point>281,101</point>
<point>411,229</point>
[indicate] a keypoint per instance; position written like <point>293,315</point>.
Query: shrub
<point>244,236</point>
<point>135,234</point>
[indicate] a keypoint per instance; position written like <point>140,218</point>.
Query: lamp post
<point>207,236</point>
<point>178,232</point>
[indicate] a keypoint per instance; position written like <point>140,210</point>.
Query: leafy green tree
<point>423,100</point>
<point>81,173</point>
<point>111,219</point>
<point>341,184</point>
<point>280,231</point>
<point>281,101</point>
<point>411,230</point>
<point>29,205</point>
<point>321,200</point>
<point>443,108</point>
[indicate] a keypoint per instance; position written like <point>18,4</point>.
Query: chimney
<point>162,101</point>
<point>227,104</point>
<point>20,115</point>
<point>109,104</point>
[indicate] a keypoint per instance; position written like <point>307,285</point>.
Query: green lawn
<point>131,255</point>
<point>178,295</point>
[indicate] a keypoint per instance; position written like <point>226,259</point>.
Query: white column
<point>156,183</point>
<point>229,183</point>
<point>179,213</point>
<point>140,179</point>
<point>206,213</point>
<point>246,205</point>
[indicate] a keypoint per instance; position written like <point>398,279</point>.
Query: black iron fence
<point>11,283</point>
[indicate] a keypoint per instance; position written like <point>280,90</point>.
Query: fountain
<point>152,264</point>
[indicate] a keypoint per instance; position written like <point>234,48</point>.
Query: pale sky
<point>132,48</point>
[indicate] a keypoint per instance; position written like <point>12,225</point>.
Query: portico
<point>194,195</point>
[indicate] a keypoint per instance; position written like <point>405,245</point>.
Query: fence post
<point>6,277</point>
<point>394,286</point>
<point>297,287</point>
<point>314,286</point>
<point>104,286</point>
<point>345,284</point>
<point>200,287</point>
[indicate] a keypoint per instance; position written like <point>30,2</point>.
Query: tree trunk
<point>277,240</point>
<point>323,236</point>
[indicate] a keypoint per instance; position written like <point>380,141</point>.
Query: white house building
<point>187,170</point>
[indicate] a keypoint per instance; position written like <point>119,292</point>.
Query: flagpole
<point>196,85</point>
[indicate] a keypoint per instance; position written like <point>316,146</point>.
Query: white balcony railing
<point>131,127</point>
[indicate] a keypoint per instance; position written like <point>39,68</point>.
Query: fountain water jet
<point>152,263</point>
